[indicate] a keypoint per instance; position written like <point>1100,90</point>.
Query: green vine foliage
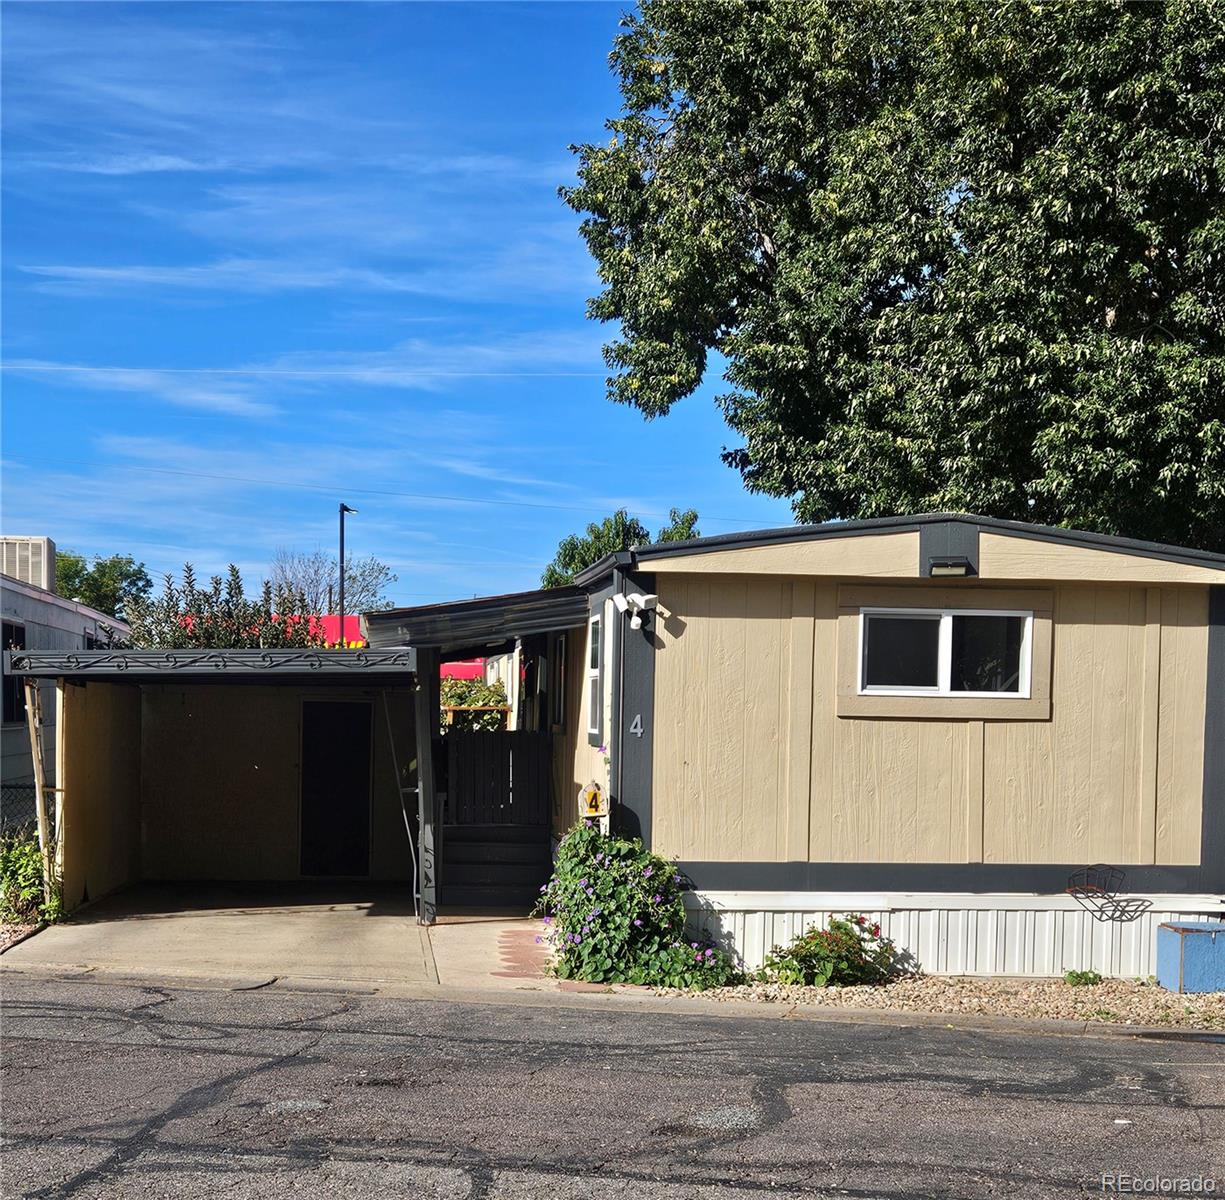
<point>472,693</point>
<point>849,951</point>
<point>615,915</point>
<point>21,881</point>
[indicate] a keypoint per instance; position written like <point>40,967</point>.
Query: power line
<point>299,373</point>
<point>331,488</point>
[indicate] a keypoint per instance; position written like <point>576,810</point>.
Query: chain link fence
<point>17,808</point>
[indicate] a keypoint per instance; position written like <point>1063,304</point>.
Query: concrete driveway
<point>244,935</point>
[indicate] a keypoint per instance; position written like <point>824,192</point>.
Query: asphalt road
<point>116,1091</point>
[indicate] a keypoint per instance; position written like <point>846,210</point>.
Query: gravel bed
<point>13,933</point>
<point>1117,1001</point>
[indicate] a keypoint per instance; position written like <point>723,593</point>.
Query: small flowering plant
<point>614,914</point>
<point>850,951</point>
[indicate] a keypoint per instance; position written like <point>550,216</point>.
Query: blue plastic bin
<point>1191,956</point>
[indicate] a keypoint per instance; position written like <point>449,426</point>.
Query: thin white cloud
<point>227,275</point>
<point>228,397</point>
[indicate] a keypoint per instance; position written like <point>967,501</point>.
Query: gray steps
<point>493,866</point>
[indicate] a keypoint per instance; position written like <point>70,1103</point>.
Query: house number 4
<point>636,725</point>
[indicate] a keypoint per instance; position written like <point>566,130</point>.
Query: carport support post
<point>425,716</point>
<point>34,722</point>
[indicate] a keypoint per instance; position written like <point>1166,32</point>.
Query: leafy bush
<point>850,951</point>
<point>477,694</point>
<point>1082,978</point>
<point>21,881</point>
<point>615,915</point>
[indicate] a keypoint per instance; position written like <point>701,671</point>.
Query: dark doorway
<point>336,787</point>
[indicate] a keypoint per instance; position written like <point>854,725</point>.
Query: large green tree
<point>966,255</point>
<point>108,584</point>
<point>618,532</point>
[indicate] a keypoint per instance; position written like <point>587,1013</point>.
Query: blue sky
<point>259,259</point>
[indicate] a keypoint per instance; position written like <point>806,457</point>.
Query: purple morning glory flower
<point>591,891</point>
<point>539,940</point>
<point>709,953</point>
<point>647,873</point>
<point>577,939</point>
<point>547,920</point>
<point>638,921</point>
<point>582,883</point>
<point>656,898</point>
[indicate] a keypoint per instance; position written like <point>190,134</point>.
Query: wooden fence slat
<point>499,777</point>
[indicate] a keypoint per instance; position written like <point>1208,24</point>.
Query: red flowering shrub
<point>851,951</point>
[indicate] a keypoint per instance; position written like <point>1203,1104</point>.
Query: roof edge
<point>905,524</point>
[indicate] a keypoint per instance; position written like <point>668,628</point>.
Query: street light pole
<point>344,508</point>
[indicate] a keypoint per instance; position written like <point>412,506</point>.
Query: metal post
<point>429,844</point>
<point>340,639</point>
<point>34,723</point>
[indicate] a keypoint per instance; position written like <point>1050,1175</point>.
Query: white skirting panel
<point>956,934</point>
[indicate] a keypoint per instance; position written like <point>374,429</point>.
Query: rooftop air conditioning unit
<point>29,559</point>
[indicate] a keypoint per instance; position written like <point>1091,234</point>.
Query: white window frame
<point>944,654</point>
<point>595,694</point>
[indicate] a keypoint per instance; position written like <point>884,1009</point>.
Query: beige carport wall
<point>187,765</point>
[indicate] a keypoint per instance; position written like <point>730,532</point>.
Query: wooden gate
<point>495,835</point>
<point>498,777</point>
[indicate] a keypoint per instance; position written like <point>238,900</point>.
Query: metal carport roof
<point>217,666</point>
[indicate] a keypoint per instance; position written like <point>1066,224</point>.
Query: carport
<point>198,790</point>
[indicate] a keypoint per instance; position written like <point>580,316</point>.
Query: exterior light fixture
<point>949,565</point>
<point>637,605</point>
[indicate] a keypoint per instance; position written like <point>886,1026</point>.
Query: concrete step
<point>495,898</point>
<point>504,874</point>
<point>496,852</point>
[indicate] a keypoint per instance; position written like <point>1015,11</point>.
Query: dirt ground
<point>1115,1001</point>
<point>9,934</point>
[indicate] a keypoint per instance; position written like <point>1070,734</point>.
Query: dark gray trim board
<point>1213,835</point>
<point>634,760</point>
<point>841,529</point>
<point>1042,878</point>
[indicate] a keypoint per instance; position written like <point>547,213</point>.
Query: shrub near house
<point>615,915</point>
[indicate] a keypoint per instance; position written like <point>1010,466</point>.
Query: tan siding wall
<point>752,762</point>
<point>98,753</point>
<point>573,764</point>
<point>882,555</point>
<point>588,763</point>
<point>222,781</point>
<point>1002,556</point>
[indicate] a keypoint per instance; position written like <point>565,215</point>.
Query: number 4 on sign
<point>636,725</point>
